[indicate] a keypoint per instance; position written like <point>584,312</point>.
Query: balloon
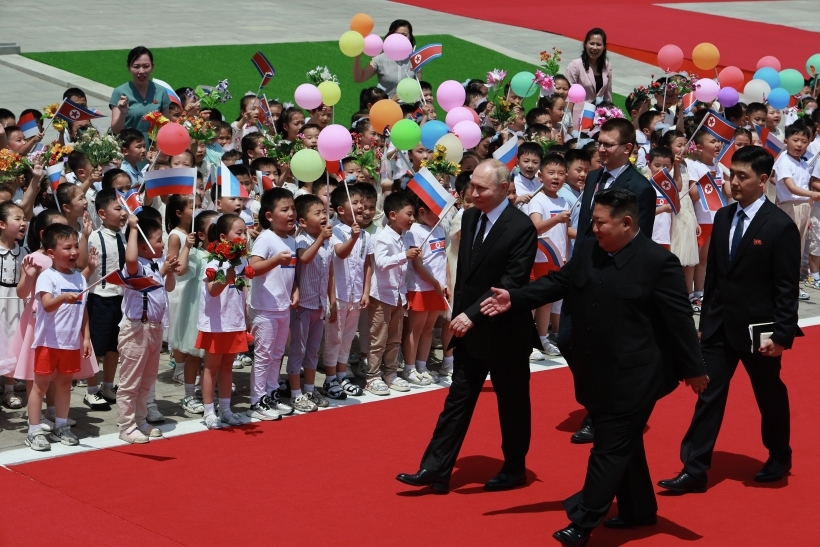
<point>769,61</point>
<point>670,58</point>
<point>577,94</point>
<point>385,113</point>
<point>768,75</point>
<point>455,151</point>
<point>705,56</point>
<point>778,98</point>
<point>728,97</point>
<point>468,132</point>
<point>408,90</point>
<point>373,45</point>
<point>476,119</point>
<point>706,90</point>
<point>173,139</point>
<point>334,142</point>
<point>791,80</point>
<point>406,134</point>
<point>813,65</point>
<point>397,47</point>
<point>330,92</point>
<point>731,76</point>
<point>459,114</point>
<point>450,94</point>
<point>351,43</point>
<point>756,91</point>
<point>523,84</point>
<point>307,165</point>
<point>362,23</point>
<point>431,132</point>
<point>308,96</point>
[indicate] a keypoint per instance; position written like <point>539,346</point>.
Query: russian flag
<point>689,102</point>
<point>719,127</point>
<point>588,116</point>
<point>229,184</point>
<point>431,192</point>
<point>28,124</point>
<point>550,251</point>
<point>73,112</point>
<point>264,67</point>
<point>726,154</point>
<point>263,182</point>
<point>711,197</point>
<point>179,180</point>
<point>665,185</point>
<point>424,55</point>
<point>130,201</point>
<point>171,93</point>
<point>508,153</point>
<point>53,172</point>
<point>772,144</point>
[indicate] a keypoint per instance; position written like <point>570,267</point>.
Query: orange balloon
<point>362,23</point>
<point>705,56</point>
<point>385,113</point>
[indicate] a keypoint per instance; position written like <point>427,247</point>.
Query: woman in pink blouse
<point>591,70</point>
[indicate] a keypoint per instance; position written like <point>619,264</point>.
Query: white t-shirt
<point>132,301</point>
<point>223,313</point>
<point>62,328</point>
<point>797,170</point>
<point>433,255</point>
<point>349,272</point>
<point>662,230</point>
<point>524,187</point>
<point>548,207</point>
<point>272,291</point>
<point>696,171</point>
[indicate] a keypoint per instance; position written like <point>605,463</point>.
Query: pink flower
<point>495,77</point>
<point>545,81</point>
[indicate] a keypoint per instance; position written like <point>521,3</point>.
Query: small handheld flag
<point>689,102</point>
<point>424,55</point>
<point>508,153</point>
<point>179,180</point>
<point>28,123</point>
<point>263,182</point>
<point>588,116</point>
<point>719,127</point>
<point>711,196</point>
<point>229,186</point>
<point>334,168</point>
<point>665,185</point>
<point>171,93</point>
<point>769,141</point>
<point>130,200</point>
<point>726,154</point>
<point>209,182</point>
<point>431,192</point>
<point>264,108</point>
<point>264,67</point>
<point>53,172</point>
<point>73,112</point>
<point>139,283</point>
<point>550,251</point>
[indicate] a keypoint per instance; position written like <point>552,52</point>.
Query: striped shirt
<point>349,272</point>
<point>312,278</point>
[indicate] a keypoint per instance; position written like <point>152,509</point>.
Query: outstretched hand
<point>499,302</point>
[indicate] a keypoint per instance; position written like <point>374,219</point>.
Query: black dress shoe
<point>584,435</point>
<point>683,484</point>
<point>440,485</point>
<point>773,471</point>
<point>573,536</point>
<point>620,524</point>
<point>505,481</point>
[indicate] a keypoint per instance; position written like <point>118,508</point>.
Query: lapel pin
<point>758,242</point>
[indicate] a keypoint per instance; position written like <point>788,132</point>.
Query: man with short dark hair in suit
<point>752,277</point>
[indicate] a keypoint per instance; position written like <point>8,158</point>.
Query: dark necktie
<point>120,250</point>
<point>479,238</point>
<point>738,235</point>
<point>154,266</point>
<point>605,176</point>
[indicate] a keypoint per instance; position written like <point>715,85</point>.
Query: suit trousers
<point>616,468</point>
<point>511,382</point>
<point>770,392</point>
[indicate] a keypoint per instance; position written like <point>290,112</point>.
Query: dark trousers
<point>511,382</point>
<point>616,468</point>
<point>770,392</point>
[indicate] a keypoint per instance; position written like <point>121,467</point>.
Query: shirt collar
<point>394,235</point>
<point>751,209</point>
<point>617,171</point>
<point>493,215</point>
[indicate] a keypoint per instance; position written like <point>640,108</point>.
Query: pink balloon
<point>450,94</point>
<point>476,119</point>
<point>577,94</point>
<point>706,90</point>
<point>308,96</point>
<point>468,132</point>
<point>334,142</point>
<point>670,58</point>
<point>373,45</point>
<point>397,47</point>
<point>459,114</point>
<point>173,139</point>
<point>731,76</point>
<point>769,61</point>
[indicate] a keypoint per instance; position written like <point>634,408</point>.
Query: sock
<point>225,405</point>
<point>448,361</point>
<point>33,428</point>
<point>209,409</point>
<point>9,387</point>
<point>108,385</point>
<point>309,387</point>
<point>436,333</point>
<point>60,422</point>
<point>421,366</point>
<point>699,294</point>
<point>190,389</point>
<point>691,296</point>
<point>815,275</point>
<point>93,389</point>
<point>544,340</point>
<point>296,393</point>
<point>341,376</point>
<point>51,410</point>
<point>408,367</point>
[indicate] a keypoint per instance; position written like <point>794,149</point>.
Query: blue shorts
<point>104,316</point>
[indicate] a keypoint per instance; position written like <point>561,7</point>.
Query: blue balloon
<point>768,75</point>
<point>779,98</point>
<point>431,132</point>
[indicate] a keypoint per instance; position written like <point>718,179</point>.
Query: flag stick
<point>665,87</point>
<point>127,208</point>
<point>421,91</point>
<point>695,132</point>
<point>327,193</point>
<point>193,206</point>
<point>50,120</point>
<point>349,201</point>
<point>440,218</point>
<point>97,282</point>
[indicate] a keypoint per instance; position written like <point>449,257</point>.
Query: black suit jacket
<point>504,260</point>
<point>631,179</point>
<point>760,285</point>
<point>633,337</point>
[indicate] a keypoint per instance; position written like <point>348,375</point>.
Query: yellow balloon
<point>351,43</point>
<point>454,151</point>
<point>705,56</point>
<point>330,92</point>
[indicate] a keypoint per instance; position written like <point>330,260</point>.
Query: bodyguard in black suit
<point>498,246</point>
<point>752,276</point>
<point>633,340</point>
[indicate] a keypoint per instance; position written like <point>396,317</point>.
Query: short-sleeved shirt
<point>391,72</point>
<point>548,207</point>
<point>349,272</point>
<point>156,98</point>
<point>313,277</point>
<point>225,312</point>
<point>524,187</point>
<point>132,301</point>
<point>433,256</point>
<point>61,328</point>
<point>272,290</point>
<point>797,170</point>
<point>662,229</point>
<point>696,171</point>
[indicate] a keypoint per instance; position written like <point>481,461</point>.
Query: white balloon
<point>756,91</point>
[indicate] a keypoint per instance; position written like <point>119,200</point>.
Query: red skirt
<point>705,234</point>
<point>540,269</point>
<point>222,342</point>
<point>425,301</point>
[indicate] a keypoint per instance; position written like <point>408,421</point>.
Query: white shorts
<point>556,306</point>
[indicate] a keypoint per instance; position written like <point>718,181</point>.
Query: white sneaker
<point>550,349</point>
<point>446,370</point>
<point>154,415</point>
<point>178,377</point>
<point>212,422</point>
<point>262,411</point>
<point>247,360</point>
<point>412,376</point>
<point>109,394</point>
<point>193,405</point>
<point>52,417</point>
<point>150,431</point>
<point>238,363</point>
<point>278,406</point>
<point>377,386</point>
<point>536,355</point>
<point>399,384</point>
<point>429,375</point>
<point>803,295</point>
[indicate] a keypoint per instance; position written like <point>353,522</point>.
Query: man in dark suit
<point>633,339</point>
<point>498,246</point>
<point>615,144</point>
<point>752,276</point>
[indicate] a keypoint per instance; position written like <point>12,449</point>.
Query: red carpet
<point>327,479</point>
<point>638,28</point>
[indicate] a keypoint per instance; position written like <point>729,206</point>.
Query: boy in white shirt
<point>813,279</point>
<point>661,158</point>
<point>526,182</point>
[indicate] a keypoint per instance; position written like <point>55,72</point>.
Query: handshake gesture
<point>499,302</point>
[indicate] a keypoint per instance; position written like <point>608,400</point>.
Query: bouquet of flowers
<point>321,74</point>
<point>502,108</point>
<point>155,120</point>
<point>367,155</point>
<point>55,153</point>
<point>12,164</point>
<point>551,61</point>
<point>200,130</point>
<point>279,150</point>
<point>439,165</point>
<point>546,82</point>
<point>211,97</point>
<point>639,94</point>
<point>100,149</point>
<point>48,113</point>
<point>602,114</point>
<point>544,142</point>
<point>235,253</point>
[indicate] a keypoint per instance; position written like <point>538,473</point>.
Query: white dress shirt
<point>492,217</point>
<point>750,211</point>
<point>615,174</point>
<point>387,282</point>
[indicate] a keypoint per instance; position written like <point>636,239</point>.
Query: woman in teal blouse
<point>133,100</point>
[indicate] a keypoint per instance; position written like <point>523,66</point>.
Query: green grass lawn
<point>205,65</point>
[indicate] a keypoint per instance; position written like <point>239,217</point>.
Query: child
<point>365,222</point>
<point>273,293</point>
<point>133,152</point>
<point>646,126</point>
<point>320,117</point>
<point>813,279</point>
<point>12,229</point>
<point>61,336</point>
<point>555,107</point>
<point>143,319</point>
<point>743,137</point>
<point>578,166</point>
<point>117,179</point>
<point>353,169</point>
<point>248,118</point>
<point>661,158</point>
<point>773,118</point>
<point>222,324</point>
<point>252,148</point>
<point>290,124</point>
<point>72,202</point>
<point>427,293</point>
<point>224,135</point>
<point>231,157</point>
<point>387,295</point>
<point>537,116</point>
<point>352,251</point>
<point>269,168</point>
<point>179,214</point>
<point>526,182</point>
<point>758,114</point>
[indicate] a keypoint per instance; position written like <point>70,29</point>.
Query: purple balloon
<point>334,142</point>
<point>397,47</point>
<point>728,97</point>
<point>308,96</point>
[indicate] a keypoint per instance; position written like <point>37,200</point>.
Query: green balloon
<point>791,80</point>
<point>813,63</point>
<point>408,90</point>
<point>406,134</point>
<point>523,84</point>
<point>307,165</point>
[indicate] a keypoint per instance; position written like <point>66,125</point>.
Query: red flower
<point>223,249</point>
<point>210,274</point>
<point>211,247</point>
<point>249,271</point>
